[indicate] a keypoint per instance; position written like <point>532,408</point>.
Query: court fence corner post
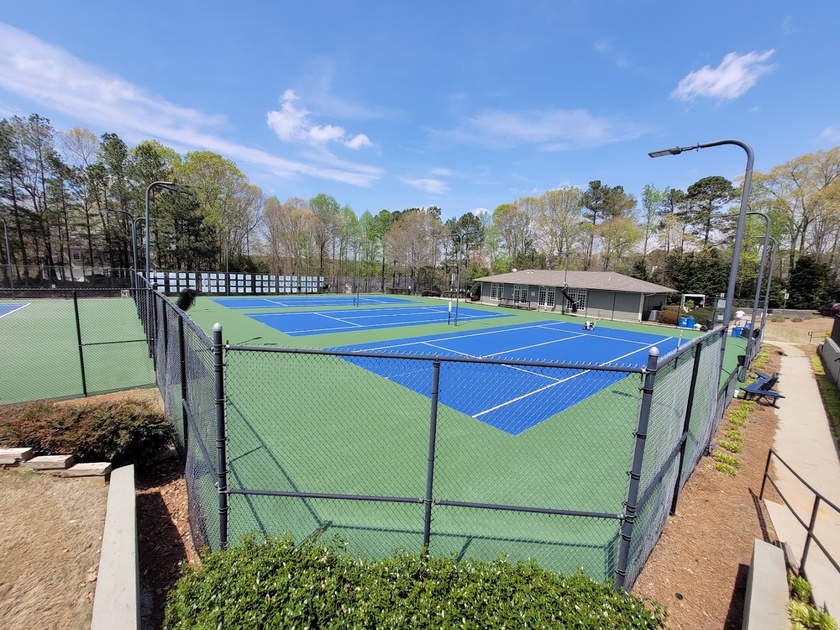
<point>630,505</point>
<point>79,341</point>
<point>182,348</point>
<point>430,470</point>
<point>689,410</point>
<point>221,434</point>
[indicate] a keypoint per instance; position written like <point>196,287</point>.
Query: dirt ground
<point>50,537</point>
<point>698,569</point>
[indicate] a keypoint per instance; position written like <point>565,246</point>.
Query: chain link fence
<point>70,342</point>
<point>575,465</point>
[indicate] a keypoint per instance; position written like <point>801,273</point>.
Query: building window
<point>578,296</point>
<point>494,290</point>
<point>520,292</point>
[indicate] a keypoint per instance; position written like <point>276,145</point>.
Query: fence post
<point>430,471</point>
<point>182,349</point>
<point>689,408</point>
<point>79,339</point>
<point>221,437</point>
<point>636,470</point>
<point>810,535</point>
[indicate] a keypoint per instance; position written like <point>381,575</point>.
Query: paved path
<point>804,441</point>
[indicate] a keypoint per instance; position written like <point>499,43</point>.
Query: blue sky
<point>460,104</point>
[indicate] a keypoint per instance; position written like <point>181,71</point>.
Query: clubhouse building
<point>590,294</point>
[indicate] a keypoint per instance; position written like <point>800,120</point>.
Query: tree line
<point>73,206</point>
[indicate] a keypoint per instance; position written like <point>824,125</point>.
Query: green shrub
<point>125,431</point>
<point>276,584</point>
<point>726,458</point>
<point>732,447</point>
<point>669,317</point>
<point>809,617</point>
<point>733,435</point>
<point>726,468</point>
<point>799,588</point>
<point>777,319</point>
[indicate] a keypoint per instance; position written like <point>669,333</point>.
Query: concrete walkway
<point>804,441</point>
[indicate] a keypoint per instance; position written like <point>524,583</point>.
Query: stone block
<point>50,462</point>
<point>97,469</point>
<point>14,455</point>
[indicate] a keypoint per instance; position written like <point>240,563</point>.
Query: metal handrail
<point>818,499</point>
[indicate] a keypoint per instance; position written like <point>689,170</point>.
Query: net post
<point>629,519</point>
<point>79,340</point>
<point>430,470</point>
<point>689,407</point>
<point>221,434</point>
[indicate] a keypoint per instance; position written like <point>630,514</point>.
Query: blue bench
<point>762,389</point>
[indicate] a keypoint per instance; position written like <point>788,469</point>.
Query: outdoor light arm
<point>742,215</point>
<point>169,186</point>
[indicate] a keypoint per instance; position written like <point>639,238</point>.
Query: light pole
<point>8,257</point>
<point>175,187</point>
<point>750,343</point>
<point>739,234</point>
<point>773,248</point>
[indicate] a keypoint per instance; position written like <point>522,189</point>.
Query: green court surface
<point>322,426</point>
<point>41,350</point>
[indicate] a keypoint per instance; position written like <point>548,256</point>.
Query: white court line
<point>480,333</point>
<point>535,345</point>
<point>15,310</point>
<point>542,389</point>
<point>337,319</point>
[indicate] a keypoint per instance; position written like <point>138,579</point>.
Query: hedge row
<point>275,583</point>
<point>122,432</point>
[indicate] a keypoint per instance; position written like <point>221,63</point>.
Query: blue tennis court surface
<point>320,322</point>
<point>287,301</point>
<point>5,309</point>
<point>516,398</point>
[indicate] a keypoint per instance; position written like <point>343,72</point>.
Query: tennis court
<point>5,309</point>
<point>286,301</point>
<point>521,396</point>
<point>347,320</point>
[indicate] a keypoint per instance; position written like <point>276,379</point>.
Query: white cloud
<point>427,185</point>
<point>53,78</point>
<point>359,141</point>
<point>605,48</point>
<point>832,134</point>
<point>732,78</point>
<point>550,129</point>
<point>292,123</point>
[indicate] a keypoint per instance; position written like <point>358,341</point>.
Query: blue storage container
<point>684,322</point>
<point>737,331</point>
<point>691,322</point>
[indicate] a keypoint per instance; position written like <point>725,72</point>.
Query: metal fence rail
<point>819,501</point>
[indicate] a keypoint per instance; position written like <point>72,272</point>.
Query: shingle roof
<point>603,280</point>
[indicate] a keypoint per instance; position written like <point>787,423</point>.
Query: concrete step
<point>96,469</point>
<point>13,456</point>
<point>50,462</point>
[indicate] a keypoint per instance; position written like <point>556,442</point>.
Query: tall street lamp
<point>8,257</point>
<point>773,248</point>
<point>739,234</point>
<point>159,184</point>
<point>750,342</point>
